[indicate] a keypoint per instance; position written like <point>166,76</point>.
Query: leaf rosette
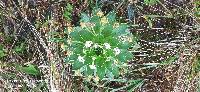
<point>99,46</point>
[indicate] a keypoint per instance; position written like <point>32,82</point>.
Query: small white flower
<point>109,58</point>
<point>116,62</point>
<point>96,79</point>
<point>100,13</point>
<point>116,25</point>
<point>117,50</point>
<point>89,78</point>
<point>81,59</point>
<point>88,44</point>
<point>93,58</point>
<point>78,73</point>
<point>83,24</point>
<point>95,45</point>
<point>92,66</point>
<point>107,45</point>
<point>104,20</point>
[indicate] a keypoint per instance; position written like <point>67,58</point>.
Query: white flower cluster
<point>92,66</point>
<point>107,45</point>
<point>117,50</point>
<point>95,45</point>
<point>88,44</point>
<point>81,59</point>
<point>109,58</point>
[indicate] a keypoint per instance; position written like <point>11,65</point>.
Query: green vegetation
<point>99,45</point>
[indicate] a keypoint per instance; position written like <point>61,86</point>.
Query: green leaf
<point>56,39</point>
<point>81,35</point>
<point>71,58</point>
<point>96,20</point>
<point>99,61</point>
<point>89,71</point>
<point>75,35</point>
<point>99,39</point>
<point>196,65</point>
<point>74,60</point>
<point>75,44</point>
<point>169,60</point>
<point>78,50</point>
<point>95,10</point>
<point>112,70</point>
<point>121,30</point>
<point>77,65</point>
<point>68,11</point>
<point>20,49</point>
<point>86,35</point>
<point>115,71</point>
<point>107,31</point>
<point>149,22</point>
<point>125,56</point>
<point>2,54</point>
<point>69,7</point>
<point>111,17</point>
<point>110,74</point>
<point>124,45</point>
<point>135,84</point>
<point>101,71</point>
<point>1,47</point>
<point>129,55</point>
<point>85,17</point>
<point>113,41</point>
<point>110,52</point>
<point>30,69</point>
<point>88,60</point>
<point>2,51</point>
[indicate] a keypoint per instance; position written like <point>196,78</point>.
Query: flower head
<point>104,20</point>
<point>96,79</point>
<point>107,45</point>
<point>86,24</point>
<point>83,24</point>
<point>109,58</point>
<point>117,50</point>
<point>88,44</point>
<point>93,58</point>
<point>62,46</point>
<point>88,78</point>
<point>78,73</point>
<point>116,25</point>
<point>70,29</point>
<point>92,66</point>
<point>100,13</point>
<point>81,59</point>
<point>116,62</point>
<point>95,45</point>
